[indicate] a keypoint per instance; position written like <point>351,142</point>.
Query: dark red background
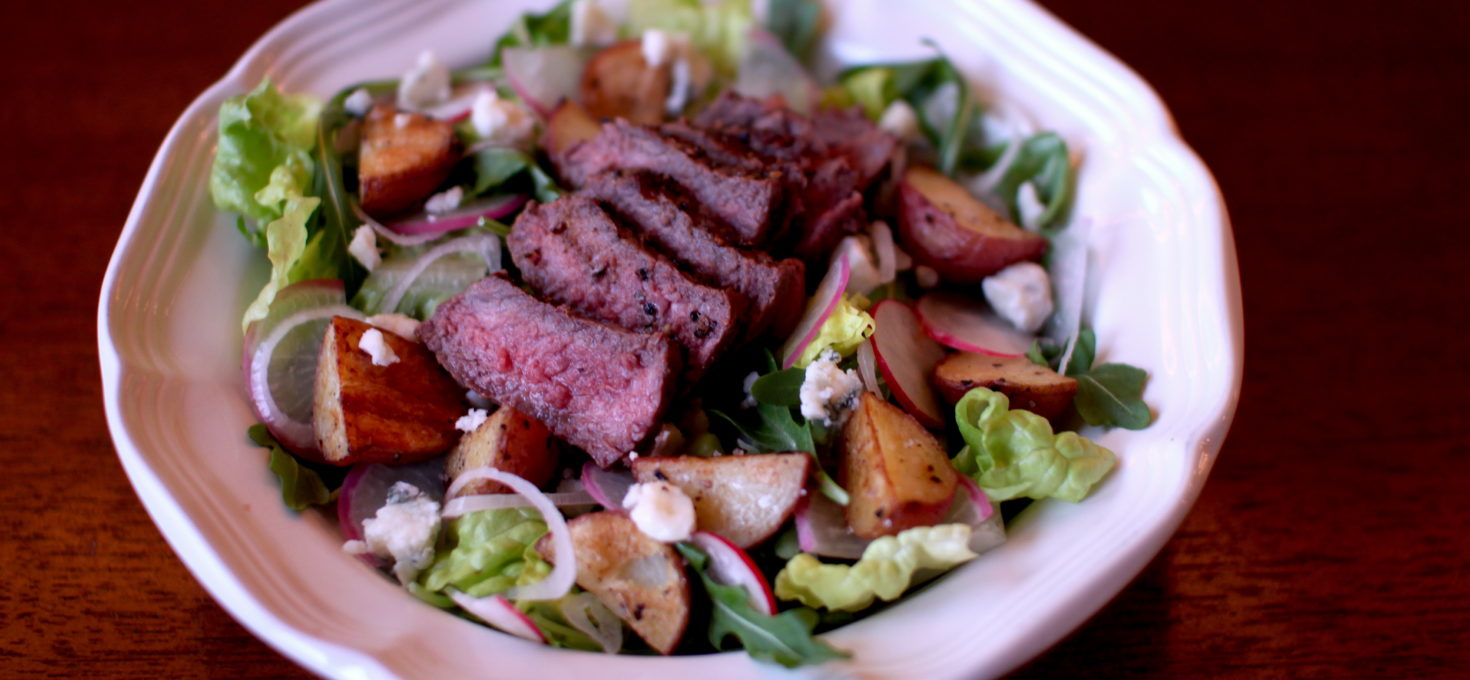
<point>1331,540</point>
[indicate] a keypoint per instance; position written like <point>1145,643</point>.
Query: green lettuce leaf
<point>550,618</point>
<point>301,487</point>
<point>1013,453</point>
<point>785,638</point>
<point>889,566</point>
<point>1109,394</point>
<point>260,132</point>
<point>286,242</point>
<point>842,332</point>
<point>495,166</point>
<point>719,29</point>
<point>487,552</point>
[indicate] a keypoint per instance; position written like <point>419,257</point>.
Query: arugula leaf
<point>785,638</point>
<point>934,87</point>
<point>795,23</point>
<point>1044,162</point>
<point>777,431</point>
<point>1109,394</point>
<point>782,388</point>
<point>300,485</point>
<point>554,27</point>
<point>495,166</point>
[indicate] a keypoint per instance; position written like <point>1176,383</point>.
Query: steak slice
<point>600,388</point>
<point>573,253</point>
<point>675,223</point>
<point>750,201</point>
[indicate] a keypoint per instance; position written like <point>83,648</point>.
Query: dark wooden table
<point>1331,541</point>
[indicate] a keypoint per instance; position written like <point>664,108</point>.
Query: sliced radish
<point>731,566</point>
<point>967,324</point>
<point>465,505</point>
<point>821,529</point>
<point>607,486</point>
<point>564,572</point>
<point>544,76</point>
<point>589,615</point>
<point>868,366</point>
<point>281,374</point>
<point>907,357</point>
<point>365,490</point>
<point>499,612</point>
<point>818,309</point>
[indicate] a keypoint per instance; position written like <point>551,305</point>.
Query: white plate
<point>1165,296</point>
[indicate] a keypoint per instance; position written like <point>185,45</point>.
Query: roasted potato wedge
<point>509,441</point>
<point>403,158</point>
<point>619,83</point>
<point>568,126</point>
<point>742,498</point>
<point>895,470</point>
<point>1037,389</point>
<point>941,225</point>
<point>365,413</point>
<point>638,578</point>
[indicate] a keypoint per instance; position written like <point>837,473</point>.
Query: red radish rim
<point>332,288</point>
<point>514,76</point>
<point>905,393</point>
<point>293,434</point>
<point>498,611</point>
<point>833,285</point>
<point>728,564</point>
<point>564,571</point>
<point>950,338</point>
<point>599,484</point>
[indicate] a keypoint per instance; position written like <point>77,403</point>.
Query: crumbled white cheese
<point>1030,206</point>
<point>660,510</point>
<point>472,420</point>
<point>403,531</point>
<point>657,47</point>
<point>1020,294</point>
<point>478,400</point>
<point>364,247</point>
<point>501,121</point>
<point>444,201</point>
<point>591,26</point>
<point>401,325</point>
<point>373,342</point>
<point>926,277</point>
<point>401,120</point>
<point>749,401</point>
<point>900,120</point>
<point>425,85</point>
<point>828,393</point>
<point>681,86</point>
<point>358,103</point>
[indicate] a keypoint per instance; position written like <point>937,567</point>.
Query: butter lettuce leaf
<point>847,328</point>
<point>889,566</point>
<point>259,133</point>
<point>487,552</point>
<point>1014,454</point>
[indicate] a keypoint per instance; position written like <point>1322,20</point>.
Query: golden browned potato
<point>366,413</point>
<point>638,578</point>
<point>1035,388</point>
<point>403,158</point>
<point>509,441</point>
<point>742,498</point>
<point>896,471</point>
<point>619,83</point>
<point>569,125</point>
<point>941,225</point>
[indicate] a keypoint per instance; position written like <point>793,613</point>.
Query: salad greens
<point>719,29</point>
<point>1013,453</point>
<point>842,332</point>
<point>888,567</point>
<point>552,27</point>
<point>1108,394</point>
<point>301,487</point>
<point>488,552</point>
<point>796,23</point>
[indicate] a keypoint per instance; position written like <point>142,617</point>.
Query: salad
<point>637,338</point>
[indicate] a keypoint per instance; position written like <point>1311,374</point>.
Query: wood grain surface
<point>1332,539</point>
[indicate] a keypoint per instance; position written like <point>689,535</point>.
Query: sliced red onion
<point>592,618</point>
<point>297,435</point>
<point>731,566</point>
<point>818,310</point>
<point>974,508</point>
<point>463,217</point>
<point>868,366</point>
<point>498,611</point>
<point>544,76</point>
<point>907,357</point>
<point>382,230</point>
<point>968,325</point>
<point>487,245</point>
<point>465,505</point>
<point>608,487</point>
<point>457,107</point>
<point>564,569</point>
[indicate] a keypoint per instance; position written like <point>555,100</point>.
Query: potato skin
<point>509,441</point>
<point>618,83</point>
<point>1028,386</point>
<point>638,578</point>
<point>569,124</point>
<point>942,226</point>
<point>400,413</point>
<point>894,469</point>
<point>400,165</point>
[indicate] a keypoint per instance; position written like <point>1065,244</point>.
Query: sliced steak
<point>600,388</point>
<point>750,201</point>
<point>676,224</point>
<point>573,253</point>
